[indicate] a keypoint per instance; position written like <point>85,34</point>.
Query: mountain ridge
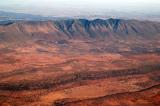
<point>79,28</point>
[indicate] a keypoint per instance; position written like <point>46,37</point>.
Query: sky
<point>80,7</point>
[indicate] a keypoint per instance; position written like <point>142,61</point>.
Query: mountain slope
<point>78,29</point>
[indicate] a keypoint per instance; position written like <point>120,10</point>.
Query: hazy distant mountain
<point>11,16</point>
<point>19,16</point>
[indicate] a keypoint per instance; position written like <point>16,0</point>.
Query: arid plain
<point>52,64</point>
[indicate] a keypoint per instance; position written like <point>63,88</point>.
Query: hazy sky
<point>80,7</point>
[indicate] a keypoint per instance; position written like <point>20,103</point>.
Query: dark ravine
<point>102,101</point>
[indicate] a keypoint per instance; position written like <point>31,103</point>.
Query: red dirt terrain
<point>80,63</point>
